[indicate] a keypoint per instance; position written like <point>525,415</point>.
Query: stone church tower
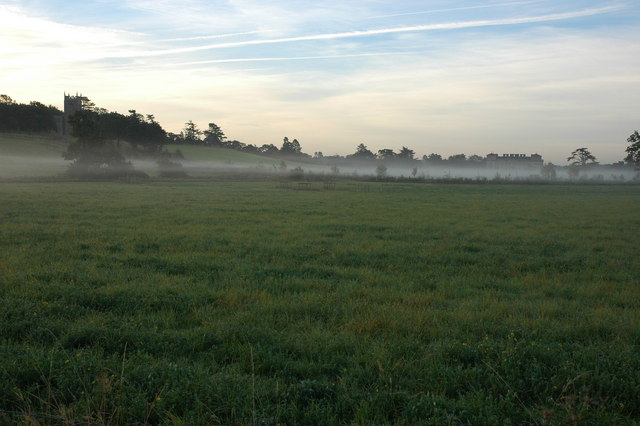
<point>72,104</point>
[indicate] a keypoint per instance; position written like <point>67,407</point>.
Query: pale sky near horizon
<point>447,77</point>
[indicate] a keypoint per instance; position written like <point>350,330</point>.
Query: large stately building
<point>514,161</point>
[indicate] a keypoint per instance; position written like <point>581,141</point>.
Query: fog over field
<point>293,212</point>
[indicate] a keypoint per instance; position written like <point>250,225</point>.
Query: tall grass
<point>239,303</point>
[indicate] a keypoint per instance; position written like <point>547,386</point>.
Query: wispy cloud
<point>381,31</point>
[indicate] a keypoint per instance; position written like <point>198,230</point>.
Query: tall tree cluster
<point>31,117</point>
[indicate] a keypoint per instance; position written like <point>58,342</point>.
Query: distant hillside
<point>38,154</point>
<point>199,158</point>
<point>222,155</point>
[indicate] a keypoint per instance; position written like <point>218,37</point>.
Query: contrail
<point>209,37</point>
<point>364,33</point>
<point>291,58</point>
<point>486,6</point>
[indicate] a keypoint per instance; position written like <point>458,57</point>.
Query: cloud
<point>381,31</point>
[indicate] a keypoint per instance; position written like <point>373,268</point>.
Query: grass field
<point>246,303</point>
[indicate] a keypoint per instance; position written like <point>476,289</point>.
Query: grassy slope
<point>221,158</point>
<point>201,153</point>
<point>241,303</point>
<point>23,154</point>
<point>40,155</point>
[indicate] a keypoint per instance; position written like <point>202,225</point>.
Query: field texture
<point>249,303</point>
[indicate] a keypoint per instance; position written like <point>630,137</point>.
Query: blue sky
<point>447,77</point>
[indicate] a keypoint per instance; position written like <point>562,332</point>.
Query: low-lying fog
<point>24,166</point>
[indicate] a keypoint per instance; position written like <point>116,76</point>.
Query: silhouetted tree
<point>268,149</point>
<point>140,132</point>
<point>92,154</point>
<point>6,99</point>
<point>386,154</point>
<point>548,171</point>
<point>633,150</point>
<point>169,168</point>
<point>214,136</point>
<point>296,173</point>
<point>457,158</point>
<point>362,153</point>
<point>235,145</point>
<point>114,126</point>
<point>32,117</point>
<point>174,138</point>
<point>573,171</point>
<point>581,157</point>
<point>191,133</point>
<point>406,153</point>
<point>252,149</point>
<point>290,147</point>
<point>434,157</point>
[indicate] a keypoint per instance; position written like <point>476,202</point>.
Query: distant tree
<point>406,153</point>
<point>290,147</point>
<point>633,150</point>
<point>548,171</point>
<point>296,173</point>
<point>386,154</point>
<point>457,158</point>
<point>475,158</point>
<point>92,154</point>
<point>191,133</point>
<point>581,157</point>
<point>235,145</point>
<point>381,170</point>
<point>268,149</point>
<point>32,117</point>
<point>6,99</point>
<point>318,155</point>
<point>114,126</point>
<point>573,171</point>
<point>434,157</point>
<point>214,136</point>
<point>142,132</point>
<point>251,149</point>
<point>362,153</point>
<point>173,138</point>
<point>169,168</point>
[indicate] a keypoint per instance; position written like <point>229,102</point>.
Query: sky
<point>446,77</point>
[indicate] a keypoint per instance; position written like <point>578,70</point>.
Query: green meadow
<point>252,303</point>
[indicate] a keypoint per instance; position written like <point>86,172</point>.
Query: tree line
<point>214,136</point>
<point>145,134</point>
<point>31,117</point>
